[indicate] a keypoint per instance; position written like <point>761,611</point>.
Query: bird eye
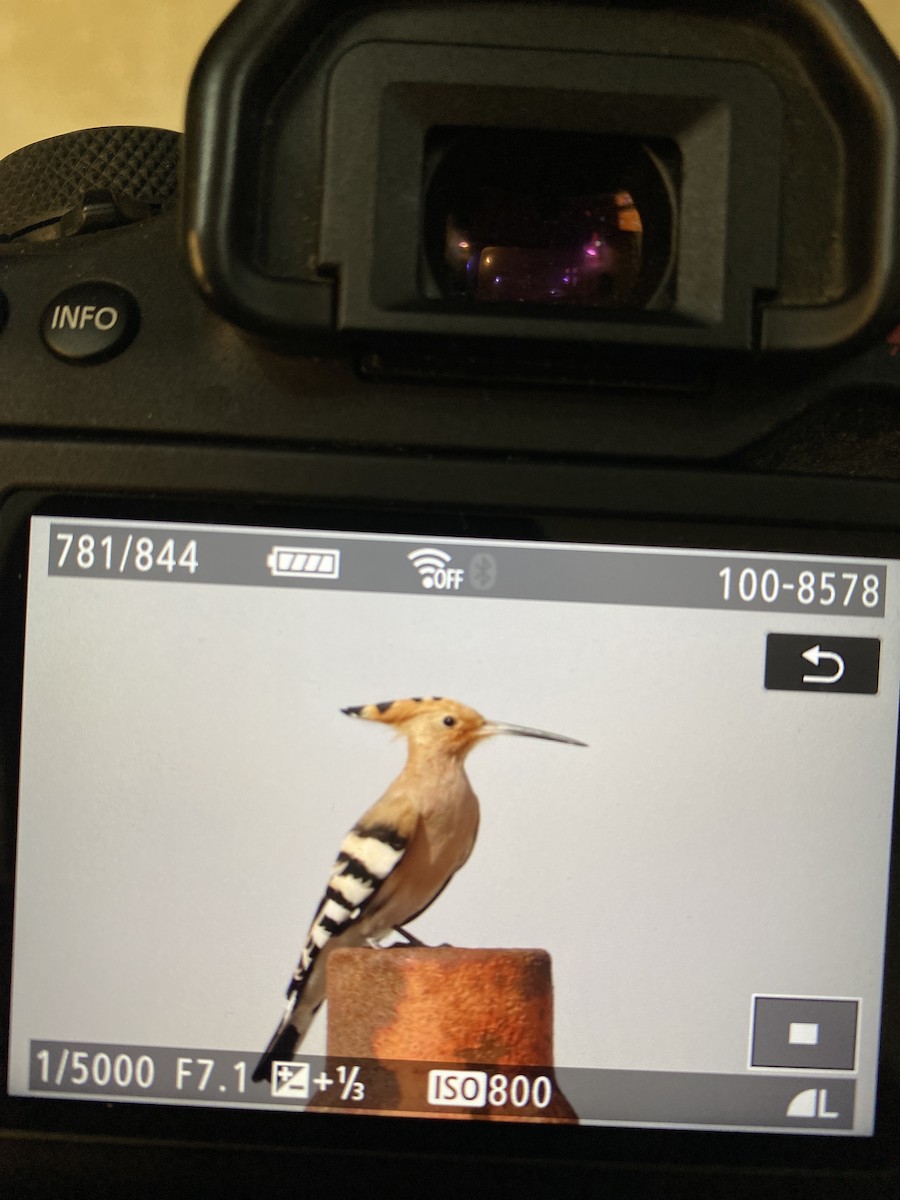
<point>449,720</point>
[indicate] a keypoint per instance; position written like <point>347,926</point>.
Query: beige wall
<point>69,65</point>
<point>66,64</point>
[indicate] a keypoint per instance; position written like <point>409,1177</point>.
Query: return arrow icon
<point>817,655</point>
<point>834,665</point>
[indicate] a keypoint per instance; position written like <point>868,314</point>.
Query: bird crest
<point>396,712</point>
<point>438,722</point>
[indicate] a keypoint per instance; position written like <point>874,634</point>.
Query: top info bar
<point>248,557</point>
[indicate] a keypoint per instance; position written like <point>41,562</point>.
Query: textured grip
<point>41,182</point>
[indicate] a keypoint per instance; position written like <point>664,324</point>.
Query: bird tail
<point>286,1039</point>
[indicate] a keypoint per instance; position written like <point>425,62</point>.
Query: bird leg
<point>412,940</point>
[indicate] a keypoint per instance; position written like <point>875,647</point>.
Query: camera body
<point>285,343</point>
<point>781,307</point>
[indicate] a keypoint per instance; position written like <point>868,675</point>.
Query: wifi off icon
<point>434,569</point>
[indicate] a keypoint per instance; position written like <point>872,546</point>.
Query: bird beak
<point>491,727</point>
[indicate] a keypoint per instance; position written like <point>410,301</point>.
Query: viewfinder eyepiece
<point>538,218</point>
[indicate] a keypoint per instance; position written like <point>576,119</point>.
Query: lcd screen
<point>685,910</point>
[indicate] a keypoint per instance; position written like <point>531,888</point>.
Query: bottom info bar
<point>193,1076</point>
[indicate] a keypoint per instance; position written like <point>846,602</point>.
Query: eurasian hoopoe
<point>400,855</point>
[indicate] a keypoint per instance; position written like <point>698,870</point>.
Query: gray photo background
<point>187,777</point>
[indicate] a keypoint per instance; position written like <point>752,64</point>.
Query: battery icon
<point>300,562</point>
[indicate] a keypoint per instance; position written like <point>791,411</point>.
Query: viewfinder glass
<point>537,218</point>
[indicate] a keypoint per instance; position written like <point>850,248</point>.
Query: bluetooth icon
<point>483,572</point>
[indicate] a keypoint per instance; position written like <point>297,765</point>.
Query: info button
<point>90,322</point>
<point>820,663</point>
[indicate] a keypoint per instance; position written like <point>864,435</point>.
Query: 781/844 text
<point>121,554</point>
